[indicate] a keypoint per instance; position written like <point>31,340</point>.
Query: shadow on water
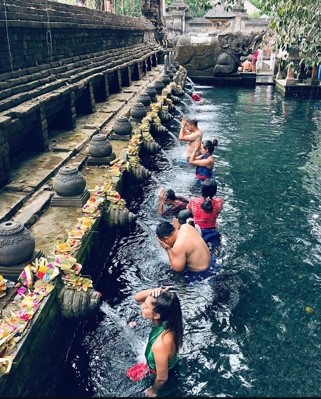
<point>253,330</point>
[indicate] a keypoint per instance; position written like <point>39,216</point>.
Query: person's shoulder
<point>218,201</point>
<point>181,198</point>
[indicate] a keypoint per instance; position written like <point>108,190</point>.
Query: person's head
<point>192,124</point>
<point>185,216</point>
<point>250,57</point>
<point>208,146</point>
<point>170,195</point>
<point>165,231</point>
<point>209,189</point>
<point>166,308</point>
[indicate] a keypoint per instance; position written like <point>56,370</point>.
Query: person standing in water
<point>205,161</point>
<point>206,209</point>
<point>163,308</point>
<point>189,132</point>
<point>185,248</point>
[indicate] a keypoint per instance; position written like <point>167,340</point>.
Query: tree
<point>294,24</point>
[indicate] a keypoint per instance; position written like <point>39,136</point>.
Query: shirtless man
<point>189,132</point>
<point>185,248</point>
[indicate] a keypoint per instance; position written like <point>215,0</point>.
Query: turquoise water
<point>255,329</point>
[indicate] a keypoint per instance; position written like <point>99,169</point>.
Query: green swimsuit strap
<point>154,334</point>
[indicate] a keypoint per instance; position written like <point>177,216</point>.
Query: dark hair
<point>183,215</point>
<point>210,145</point>
<point>168,306</point>
<point>170,195</point>
<point>209,189</point>
<point>193,122</point>
<point>164,229</point>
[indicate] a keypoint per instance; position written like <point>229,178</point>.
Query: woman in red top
<point>206,210</point>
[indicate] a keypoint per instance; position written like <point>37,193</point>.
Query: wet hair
<point>210,145</point>
<point>183,217</point>
<point>168,306</point>
<point>209,189</point>
<point>164,229</point>
<point>170,195</point>
<point>193,122</point>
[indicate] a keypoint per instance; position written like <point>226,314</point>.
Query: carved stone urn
<point>138,112</point>
<point>150,90</point>
<point>69,182</point>
<point>159,86</point>
<point>170,74</point>
<point>16,244</point>
<point>144,99</point>
<point>122,126</point>
<point>100,146</point>
<point>165,79</point>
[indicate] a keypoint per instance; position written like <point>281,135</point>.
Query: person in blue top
<point>205,161</point>
<point>163,308</point>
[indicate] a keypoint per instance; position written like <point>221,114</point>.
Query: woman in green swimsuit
<point>166,337</point>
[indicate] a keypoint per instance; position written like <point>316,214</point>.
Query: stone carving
<point>215,55</point>
<point>16,243</point>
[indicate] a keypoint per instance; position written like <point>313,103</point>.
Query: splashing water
<point>136,345</point>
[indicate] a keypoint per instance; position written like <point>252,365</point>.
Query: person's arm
<point>208,162</point>
<point>161,356</point>
<point>140,296</point>
<point>189,136</point>
<point>176,256</point>
<point>197,146</point>
<point>160,209</point>
<point>183,131</point>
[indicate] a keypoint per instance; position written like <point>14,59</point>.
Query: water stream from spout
<point>170,162</point>
<point>135,343</point>
<point>177,142</point>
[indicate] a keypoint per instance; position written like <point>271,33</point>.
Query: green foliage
<point>294,24</point>
<point>255,14</point>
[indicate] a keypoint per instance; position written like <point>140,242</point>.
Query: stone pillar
<point>73,115</point>
<point>41,131</point>
<point>4,152</point>
<point>106,86</point>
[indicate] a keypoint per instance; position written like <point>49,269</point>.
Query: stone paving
<point>27,197</point>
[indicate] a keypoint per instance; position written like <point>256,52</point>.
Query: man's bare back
<point>185,248</point>
<point>192,245</point>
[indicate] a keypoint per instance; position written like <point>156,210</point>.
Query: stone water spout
<point>118,217</point>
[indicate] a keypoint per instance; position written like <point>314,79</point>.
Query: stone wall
<point>56,62</point>
<point>37,32</point>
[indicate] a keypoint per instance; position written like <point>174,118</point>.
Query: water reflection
<point>247,332</point>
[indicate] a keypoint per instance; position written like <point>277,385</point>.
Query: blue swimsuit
<point>199,276</point>
<point>202,172</point>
